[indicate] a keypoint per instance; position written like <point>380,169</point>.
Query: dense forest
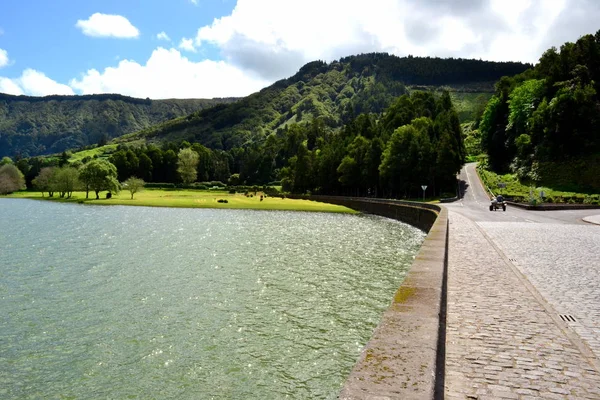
<point>544,124</point>
<point>32,126</point>
<point>335,93</point>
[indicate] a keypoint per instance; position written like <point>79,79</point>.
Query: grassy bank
<point>193,199</point>
<point>520,192</point>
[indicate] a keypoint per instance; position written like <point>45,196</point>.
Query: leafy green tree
<point>156,156</point>
<point>170,166</point>
<point>205,162</point>
<point>5,160</point>
<point>354,167</point>
<point>187,164</point>
<point>65,181</point>
<point>11,179</point>
<point>126,162</point>
<point>133,185</point>
<point>99,175</point>
<point>406,160</point>
<point>303,170</point>
<point>493,133</point>
<point>43,182</point>
<point>523,100</point>
<point>145,167</point>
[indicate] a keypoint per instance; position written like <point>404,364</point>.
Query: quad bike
<point>498,203</point>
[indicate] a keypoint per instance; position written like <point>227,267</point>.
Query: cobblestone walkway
<point>563,263</point>
<point>501,343</point>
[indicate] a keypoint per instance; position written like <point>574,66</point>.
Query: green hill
<point>32,126</point>
<point>335,93</point>
<point>542,125</point>
<point>371,124</point>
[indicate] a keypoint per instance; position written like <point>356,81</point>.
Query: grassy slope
<point>524,193</point>
<point>99,151</point>
<point>195,199</point>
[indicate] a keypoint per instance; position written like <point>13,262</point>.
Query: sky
<point>231,48</point>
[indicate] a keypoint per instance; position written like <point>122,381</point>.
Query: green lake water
<point>160,303</point>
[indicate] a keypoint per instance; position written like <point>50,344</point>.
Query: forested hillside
<point>372,124</point>
<point>335,93</point>
<point>31,126</point>
<point>416,141</point>
<point>544,124</point>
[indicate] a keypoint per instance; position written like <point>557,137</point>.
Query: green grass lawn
<point>193,199</point>
<point>99,151</point>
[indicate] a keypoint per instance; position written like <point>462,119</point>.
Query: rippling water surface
<point>131,302</point>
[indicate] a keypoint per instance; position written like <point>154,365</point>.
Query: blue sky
<point>41,34</point>
<point>218,48</point>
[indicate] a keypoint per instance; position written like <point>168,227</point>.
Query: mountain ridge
<point>31,125</point>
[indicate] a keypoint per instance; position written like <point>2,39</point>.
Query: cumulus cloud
<point>106,25</point>
<point>33,83</point>
<point>10,87</point>
<point>261,41</point>
<point>163,36</point>
<point>187,45</point>
<point>3,58</point>
<point>270,39</point>
<point>167,74</point>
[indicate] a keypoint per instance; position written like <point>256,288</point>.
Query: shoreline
<point>188,198</point>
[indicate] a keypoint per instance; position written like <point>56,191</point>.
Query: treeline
<point>433,70</point>
<point>416,141</point>
<point>56,97</point>
<point>549,115</point>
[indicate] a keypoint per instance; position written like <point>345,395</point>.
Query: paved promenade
<point>505,337</point>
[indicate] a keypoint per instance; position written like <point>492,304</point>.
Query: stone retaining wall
<point>404,359</point>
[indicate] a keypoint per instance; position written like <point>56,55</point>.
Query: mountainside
<point>335,93</point>
<point>372,124</point>
<point>32,126</point>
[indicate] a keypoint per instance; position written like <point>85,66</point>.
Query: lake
<point>141,303</point>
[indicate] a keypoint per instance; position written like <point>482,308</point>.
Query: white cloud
<point>106,25</point>
<point>167,74</point>
<point>163,36</point>
<point>33,83</point>
<point>194,2</point>
<point>3,58</point>
<point>187,45</point>
<point>266,37</point>
<point>9,86</point>
<point>264,40</point>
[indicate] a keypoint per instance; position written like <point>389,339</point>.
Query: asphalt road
<point>475,205</point>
